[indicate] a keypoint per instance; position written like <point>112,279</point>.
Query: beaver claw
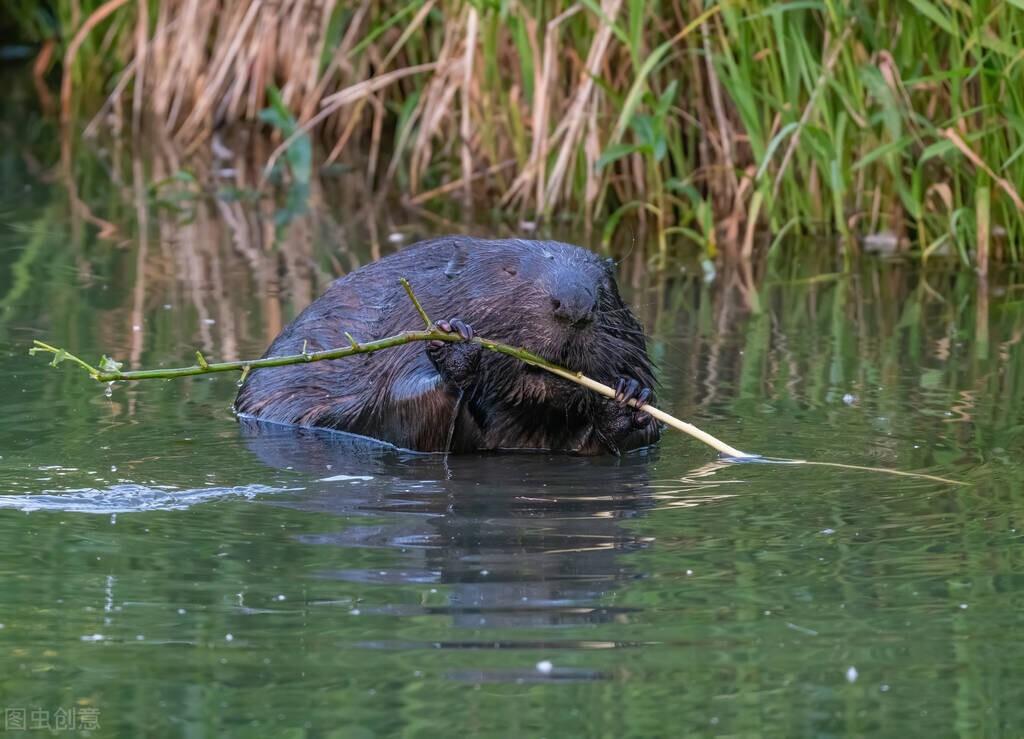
<point>619,425</point>
<point>456,326</point>
<point>628,389</point>
<point>455,361</point>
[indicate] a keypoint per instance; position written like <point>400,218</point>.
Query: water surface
<point>177,574</point>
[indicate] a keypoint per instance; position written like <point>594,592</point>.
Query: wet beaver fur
<point>554,299</point>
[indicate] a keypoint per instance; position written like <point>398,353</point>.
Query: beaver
<point>554,299</point>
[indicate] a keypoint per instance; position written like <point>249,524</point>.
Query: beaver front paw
<point>619,428</point>
<point>627,389</point>
<point>457,362</point>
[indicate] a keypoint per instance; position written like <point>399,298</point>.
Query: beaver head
<point>556,300</point>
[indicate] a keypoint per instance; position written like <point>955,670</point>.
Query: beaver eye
<point>511,271</point>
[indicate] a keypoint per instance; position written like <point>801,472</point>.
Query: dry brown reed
<point>708,122</point>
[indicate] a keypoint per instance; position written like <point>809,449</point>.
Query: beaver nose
<point>575,307</point>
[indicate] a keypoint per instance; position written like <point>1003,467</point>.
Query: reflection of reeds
<point>934,364</point>
<point>702,120</point>
<point>194,254</point>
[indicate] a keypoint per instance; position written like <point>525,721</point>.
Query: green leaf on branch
<point>109,365</point>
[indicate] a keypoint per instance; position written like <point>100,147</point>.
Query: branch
<point>110,371</point>
<point>416,303</point>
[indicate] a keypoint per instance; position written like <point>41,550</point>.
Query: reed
<point>887,125</point>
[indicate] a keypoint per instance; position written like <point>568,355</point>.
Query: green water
<point>165,573</point>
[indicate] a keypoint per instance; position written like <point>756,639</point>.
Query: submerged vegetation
<point>891,125</point>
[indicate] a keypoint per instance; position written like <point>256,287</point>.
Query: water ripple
<point>130,498</point>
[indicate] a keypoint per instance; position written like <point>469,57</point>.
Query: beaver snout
<point>574,304</point>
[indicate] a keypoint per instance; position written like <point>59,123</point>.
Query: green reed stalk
<point>836,114</point>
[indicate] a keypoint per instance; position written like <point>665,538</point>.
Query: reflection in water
<point>522,541</point>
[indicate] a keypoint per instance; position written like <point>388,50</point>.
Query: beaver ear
<point>458,260</point>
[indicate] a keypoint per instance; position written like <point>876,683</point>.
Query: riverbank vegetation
<point>892,126</point>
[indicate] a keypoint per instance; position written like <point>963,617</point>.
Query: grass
<point>897,125</point>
